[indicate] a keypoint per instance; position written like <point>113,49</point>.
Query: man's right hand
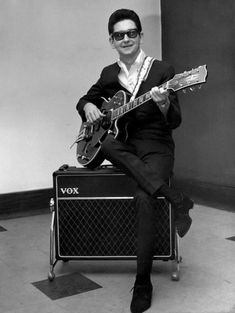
<point>92,113</point>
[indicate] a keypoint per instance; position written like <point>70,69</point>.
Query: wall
<point>194,33</point>
<point>50,53</point>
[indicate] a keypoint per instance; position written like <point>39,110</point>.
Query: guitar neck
<point>181,81</point>
<point>120,111</point>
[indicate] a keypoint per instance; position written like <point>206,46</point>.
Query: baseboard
<point>208,194</point>
<point>34,202</point>
<point>18,204</point>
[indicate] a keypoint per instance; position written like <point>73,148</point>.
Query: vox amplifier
<point>95,216</point>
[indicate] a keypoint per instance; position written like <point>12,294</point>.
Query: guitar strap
<point>143,74</point>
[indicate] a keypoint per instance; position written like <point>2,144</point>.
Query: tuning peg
<point>192,88</point>
<point>184,91</point>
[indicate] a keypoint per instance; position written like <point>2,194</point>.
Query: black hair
<point>123,14</point>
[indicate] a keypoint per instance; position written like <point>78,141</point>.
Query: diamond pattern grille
<point>106,227</point>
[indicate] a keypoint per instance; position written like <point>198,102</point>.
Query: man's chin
<point>128,51</point>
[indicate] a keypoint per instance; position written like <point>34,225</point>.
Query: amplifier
<point>95,217</point>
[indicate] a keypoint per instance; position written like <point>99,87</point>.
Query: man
<point>147,155</point>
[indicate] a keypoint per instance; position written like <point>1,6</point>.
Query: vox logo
<point>70,191</point>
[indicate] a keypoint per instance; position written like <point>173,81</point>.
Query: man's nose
<point>126,37</point>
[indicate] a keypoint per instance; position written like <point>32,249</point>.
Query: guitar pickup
<point>88,130</point>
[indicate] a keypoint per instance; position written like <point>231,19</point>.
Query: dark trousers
<point>150,164</point>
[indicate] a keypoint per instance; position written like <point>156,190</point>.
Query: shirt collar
<point>138,61</point>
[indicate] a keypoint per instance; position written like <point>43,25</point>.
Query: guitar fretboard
<point>133,104</point>
<point>178,82</point>
<point>130,105</point>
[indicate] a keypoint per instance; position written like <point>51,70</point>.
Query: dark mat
<point>231,238</point>
<point>2,228</point>
<point>66,286</point>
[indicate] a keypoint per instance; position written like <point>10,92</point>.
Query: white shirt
<point>128,79</point>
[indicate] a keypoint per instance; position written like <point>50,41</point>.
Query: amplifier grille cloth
<point>106,227</point>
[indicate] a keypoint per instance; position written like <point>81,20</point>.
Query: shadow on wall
<point>196,33</point>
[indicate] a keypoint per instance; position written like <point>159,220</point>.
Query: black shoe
<point>183,223</point>
<point>182,219</point>
<point>142,297</point>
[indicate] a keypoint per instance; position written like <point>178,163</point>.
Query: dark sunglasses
<point>131,33</point>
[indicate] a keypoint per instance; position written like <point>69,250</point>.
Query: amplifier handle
<point>64,167</point>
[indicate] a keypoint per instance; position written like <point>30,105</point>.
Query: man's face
<point>126,46</point>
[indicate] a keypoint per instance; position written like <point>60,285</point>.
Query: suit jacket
<point>146,121</point>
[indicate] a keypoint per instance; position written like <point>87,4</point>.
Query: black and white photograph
<point>117,122</point>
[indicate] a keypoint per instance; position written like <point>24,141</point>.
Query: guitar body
<point>93,134</point>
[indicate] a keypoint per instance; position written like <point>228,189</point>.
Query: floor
<point>207,272</point>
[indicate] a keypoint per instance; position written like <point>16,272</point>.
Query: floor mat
<point>66,286</point>
<point>231,238</point>
<point>2,228</point>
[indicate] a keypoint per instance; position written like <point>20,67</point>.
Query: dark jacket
<point>147,121</point>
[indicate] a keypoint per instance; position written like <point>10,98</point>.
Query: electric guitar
<point>91,135</point>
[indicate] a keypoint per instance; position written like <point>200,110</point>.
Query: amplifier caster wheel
<point>51,276</point>
<point>175,276</point>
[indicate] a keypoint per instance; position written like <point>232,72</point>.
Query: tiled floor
<point>207,282</point>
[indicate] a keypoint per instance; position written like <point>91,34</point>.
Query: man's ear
<point>111,42</point>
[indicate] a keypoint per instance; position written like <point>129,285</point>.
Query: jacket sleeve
<point>173,117</point>
<point>93,95</point>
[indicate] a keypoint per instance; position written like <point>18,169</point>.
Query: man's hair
<point>123,14</point>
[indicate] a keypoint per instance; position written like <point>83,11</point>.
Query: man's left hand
<point>160,96</point>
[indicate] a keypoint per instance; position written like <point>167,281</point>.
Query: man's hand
<point>92,113</point>
<point>160,96</point>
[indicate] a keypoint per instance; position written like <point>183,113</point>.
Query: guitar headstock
<point>196,76</point>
